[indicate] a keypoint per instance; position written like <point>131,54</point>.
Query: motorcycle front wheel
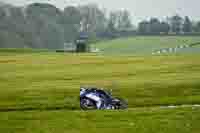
<point>87,104</point>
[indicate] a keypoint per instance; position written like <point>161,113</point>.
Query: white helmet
<point>82,90</point>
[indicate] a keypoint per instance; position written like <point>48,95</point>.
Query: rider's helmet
<point>82,90</point>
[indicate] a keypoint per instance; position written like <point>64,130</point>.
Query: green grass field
<point>39,92</point>
<point>140,45</point>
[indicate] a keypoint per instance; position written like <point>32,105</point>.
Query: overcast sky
<point>140,9</point>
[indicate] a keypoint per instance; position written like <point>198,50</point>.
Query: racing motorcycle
<point>108,101</point>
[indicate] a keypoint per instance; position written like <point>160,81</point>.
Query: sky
<point>140,9</point>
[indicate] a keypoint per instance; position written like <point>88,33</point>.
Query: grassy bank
<point>44,80</point>
<point>145,45</point>
<point>39,93</point>
<point>138,120</point>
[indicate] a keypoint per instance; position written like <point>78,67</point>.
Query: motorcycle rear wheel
<point>120,104</point>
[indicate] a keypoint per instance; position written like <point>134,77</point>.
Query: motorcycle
<point>111,102</point>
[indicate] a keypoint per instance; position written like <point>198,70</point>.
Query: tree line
<point>173,25</point>
<point>41,25</point>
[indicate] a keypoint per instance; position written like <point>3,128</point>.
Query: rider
<point>97,95</point>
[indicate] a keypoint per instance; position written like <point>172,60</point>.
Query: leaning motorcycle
<point>113,103</point>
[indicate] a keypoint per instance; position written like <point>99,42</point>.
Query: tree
<point>187,25</point>
<point>112,22</point>
<point>124,20</point>
<point>12,27</point>
<point>44,22</point>
<point>71,22</point>
<point>144,27</point>
<point>154,25</point>
<point>164,27</point>
<point>120,20</point>
<point>93,19</point>
<point>196,27</point>
<point>176,23</point>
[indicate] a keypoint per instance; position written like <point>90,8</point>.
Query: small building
<point>79,45</point>
<point>82,43</point>
<point>69,47</point>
